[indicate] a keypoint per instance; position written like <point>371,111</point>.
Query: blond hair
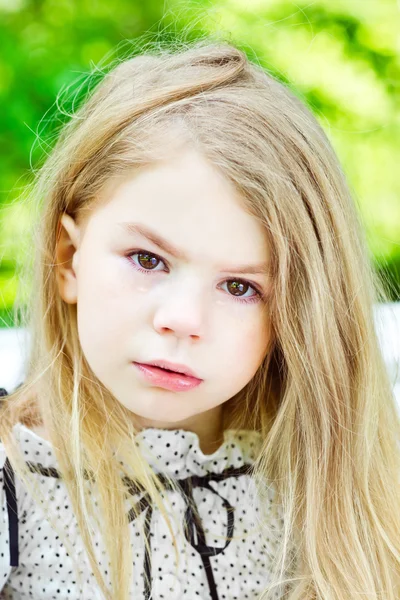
<point>322,397</point>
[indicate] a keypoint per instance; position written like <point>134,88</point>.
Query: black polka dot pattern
<point>238,570</point>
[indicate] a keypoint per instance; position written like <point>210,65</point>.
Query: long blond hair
<point>322,397</point>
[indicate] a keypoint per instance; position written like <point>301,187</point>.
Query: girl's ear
<point>67,258</point>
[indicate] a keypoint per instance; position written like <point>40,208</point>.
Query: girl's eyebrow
<point>158,240</point>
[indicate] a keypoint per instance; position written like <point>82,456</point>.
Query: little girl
<point>206,411</point>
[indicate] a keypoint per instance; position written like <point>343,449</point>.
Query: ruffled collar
<point>175,452</point>
<point>178,453</point>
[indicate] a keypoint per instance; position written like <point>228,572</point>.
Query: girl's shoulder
<point>40,431</point>
<point>31,423</point>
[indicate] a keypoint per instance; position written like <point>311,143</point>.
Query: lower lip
<point>176,382</point>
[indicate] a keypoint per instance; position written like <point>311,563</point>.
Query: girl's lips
<point>175,382</point>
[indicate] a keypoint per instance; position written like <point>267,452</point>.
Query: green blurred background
<point>341,56</point>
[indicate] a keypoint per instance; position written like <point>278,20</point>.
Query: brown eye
<point>147,260</point>
<point>238,287</point>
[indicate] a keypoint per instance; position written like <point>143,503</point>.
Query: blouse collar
<point>175,452</point>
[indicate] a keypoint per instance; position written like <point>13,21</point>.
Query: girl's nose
<point>184,314</point>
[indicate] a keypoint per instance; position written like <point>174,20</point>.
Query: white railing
<point>14,345</point>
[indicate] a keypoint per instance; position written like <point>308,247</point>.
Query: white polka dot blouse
<point>217,499</point>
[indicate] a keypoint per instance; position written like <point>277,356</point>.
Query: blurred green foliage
<point>342,57</point>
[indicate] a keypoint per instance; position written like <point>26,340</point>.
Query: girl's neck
<point>208,426</point>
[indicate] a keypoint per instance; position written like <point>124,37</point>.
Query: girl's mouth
<point>170,380</point>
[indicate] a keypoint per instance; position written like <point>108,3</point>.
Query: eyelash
<point>249,300</point>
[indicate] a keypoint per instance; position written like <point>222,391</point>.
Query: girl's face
<point>162,270</point>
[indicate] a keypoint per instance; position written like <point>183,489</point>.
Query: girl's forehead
<point>207,226</point>
<point>183,197</point>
